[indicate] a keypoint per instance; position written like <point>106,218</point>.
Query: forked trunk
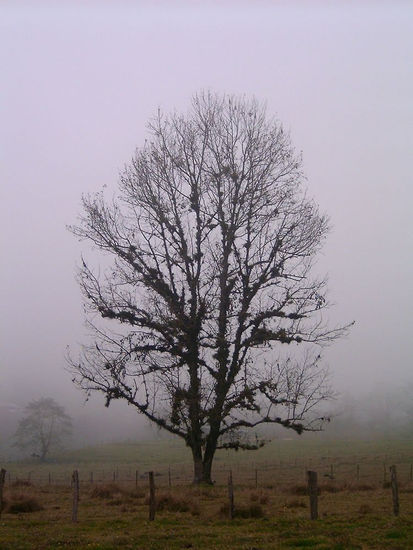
<point>202,469</point>
<point>202,472</point>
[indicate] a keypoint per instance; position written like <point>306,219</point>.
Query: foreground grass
<point>112,516</point>
<point>355,509</point>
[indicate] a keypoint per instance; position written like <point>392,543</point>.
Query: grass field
<point>353,513</point>
<point>282,460</point>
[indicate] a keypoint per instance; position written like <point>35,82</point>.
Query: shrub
<point>114,502</point>
<point>136,493</point>
<point>299,490</point>
<point>22,483</point>
<point>208,493</point>
<point>244,512</point>
<point>365,509</point>
<point>330,488</point>
<point>250,511</point>
<point>361,487</point>
<point>171,503</point>
<point>262,498</point>
<point>302,489</point>
<point>106,491</point>
<point>24,505</point>
<point>295,503</point>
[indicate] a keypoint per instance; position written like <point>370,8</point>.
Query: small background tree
<point>213,240</point>
<point>43,428</point>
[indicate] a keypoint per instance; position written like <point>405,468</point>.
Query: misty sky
<point>79,80</point>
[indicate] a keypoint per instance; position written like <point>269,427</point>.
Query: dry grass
<point>172,503</point>
<point>407,488</point>
<point>295,503</point>
<point>115,515</point>
<point>299,489</point>
<point>109,490</point>
<point>357,487</point>
<point>365,509</point>
<point>355,510</point>
<point>302,489</point>
<point>246,511</point>
<point>21,483</point>
<point>259,496</point>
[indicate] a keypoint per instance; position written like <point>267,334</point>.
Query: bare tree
<point>43,427</point>
<point>213,241</point>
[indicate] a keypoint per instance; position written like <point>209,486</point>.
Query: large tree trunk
<point>198,469</point>
<point>207,471</point>
<point>203,464</point>
<point>202,471</point>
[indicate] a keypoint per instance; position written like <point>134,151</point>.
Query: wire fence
<point>265,475</point>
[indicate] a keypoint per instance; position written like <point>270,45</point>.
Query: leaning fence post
<point>75,482</point>
<point>230,496</point>
<point>394,490</point>
<point>152,504</point>
<point>2,480</point>
<point>313,493</point>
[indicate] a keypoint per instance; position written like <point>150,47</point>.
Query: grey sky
<point>79,82</point>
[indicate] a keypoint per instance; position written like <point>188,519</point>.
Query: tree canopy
<point>210,309</point>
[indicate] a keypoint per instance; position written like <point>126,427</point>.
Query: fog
<point>79,82</point>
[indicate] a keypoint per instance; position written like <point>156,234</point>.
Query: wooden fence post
<point>384,472</point>
<point>169,477</point>
<point>230,496</point>
<point>394,490</point>
<point>256,478</point>
<point>75,482</point>
<point>2,480</point>
<point>50,478</point>
<point>136,478</point>
<point>313,494</point>
<point>91,478</point>
<point>152,503</point>
<point>358,472</point>
<point>411,472</point>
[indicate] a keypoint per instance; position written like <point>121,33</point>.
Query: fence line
<point>255,476</point>
<point>312,492</point>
